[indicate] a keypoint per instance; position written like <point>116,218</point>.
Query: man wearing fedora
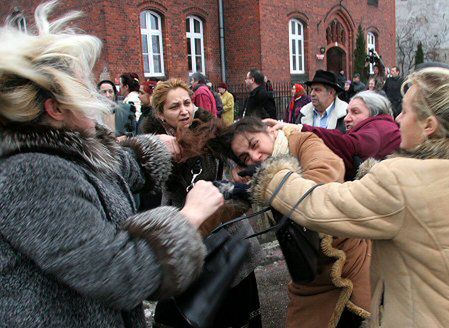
<point>326,110</point>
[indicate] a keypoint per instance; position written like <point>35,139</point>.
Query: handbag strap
<point>266,209</point>
<point>284,218</point>
<point>255,214</point>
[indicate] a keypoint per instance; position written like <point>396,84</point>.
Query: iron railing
<point>281,93</point>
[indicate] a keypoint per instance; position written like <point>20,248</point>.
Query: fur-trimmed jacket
<point>401,204</point>
<point>73,253</point>
<point>343,278</point>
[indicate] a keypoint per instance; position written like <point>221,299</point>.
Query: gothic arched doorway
<point>336,60</point>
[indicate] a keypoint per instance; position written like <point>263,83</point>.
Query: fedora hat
<point>325,77</point>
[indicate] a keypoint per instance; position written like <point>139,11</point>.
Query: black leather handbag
<point>300,246</point>
<point>198,305</point>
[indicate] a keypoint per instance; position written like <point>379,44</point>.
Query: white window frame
<point>149,32</point>
<point>192,35</point>
<point>298,38</point>
<point>370,44</point>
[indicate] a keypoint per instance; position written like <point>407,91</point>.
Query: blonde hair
<point>161,91</point>
<point>54,63</point>
<point>432,95</point>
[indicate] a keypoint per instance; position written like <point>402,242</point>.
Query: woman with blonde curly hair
<point>401,204</point>
<point>73,251</point>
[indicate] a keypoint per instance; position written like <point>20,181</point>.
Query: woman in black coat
<point>174,114</point>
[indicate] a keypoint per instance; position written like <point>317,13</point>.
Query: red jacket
<point>376,137</point>
<point>203,98</point>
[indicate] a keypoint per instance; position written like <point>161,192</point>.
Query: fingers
<point>270,121</point>
<point>121,139</point>
<point>196,209</point>
<point>171,144</point>
<point>236,177</point>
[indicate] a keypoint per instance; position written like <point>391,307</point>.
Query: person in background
<point>129,88</point>
<point>341,78</point>
<point>400,204</point>
<point>108,89</point>
<point>326,110</point>
<point>298,101</point>
<point>202,96</point>
<point>73,250</point>
<point>392,89</point>
<point>371,84</point>
<point>348,92</point>
<point>217,98</point>
<point>357,84</point>
<point>260,103</point>
<point>145,95</point>
<point>228,104</point>
<point>124,122</point>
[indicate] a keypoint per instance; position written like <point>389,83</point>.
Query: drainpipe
<point>222,41</point>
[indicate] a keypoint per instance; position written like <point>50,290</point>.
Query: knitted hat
<point>148,86</point>
<point>223,85</point>
<point>299,89</point>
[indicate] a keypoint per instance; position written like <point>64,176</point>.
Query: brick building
<point>287,39</point>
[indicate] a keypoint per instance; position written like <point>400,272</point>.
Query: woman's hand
<point>277,125</point>
<point>274,124</point>
<point>238,178</point>
<point>171,143</point>
<point>201,202</point>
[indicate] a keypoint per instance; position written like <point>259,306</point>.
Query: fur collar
<point>429,149</point>
<point>98,150</point>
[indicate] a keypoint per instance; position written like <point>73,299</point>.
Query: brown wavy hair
<point>162,89</point>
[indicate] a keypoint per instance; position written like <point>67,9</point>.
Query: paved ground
<point>272,278</point>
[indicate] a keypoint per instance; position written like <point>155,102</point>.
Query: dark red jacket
<point>203,98</point>
<point>376,137</point>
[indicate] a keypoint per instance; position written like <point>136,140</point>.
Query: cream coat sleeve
<point>371,208</point>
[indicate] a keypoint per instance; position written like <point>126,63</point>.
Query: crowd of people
<point>108,191</point>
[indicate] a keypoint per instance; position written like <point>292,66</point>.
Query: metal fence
<point>281,94</point>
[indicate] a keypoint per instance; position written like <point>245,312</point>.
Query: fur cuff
<point>177,245</point>
<point>153,157</point>
<point>266,173</point>
<point>365,167</point>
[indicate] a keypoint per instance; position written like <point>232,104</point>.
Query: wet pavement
<point>272,278</point>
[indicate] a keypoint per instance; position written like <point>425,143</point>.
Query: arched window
<point>195,44</point>
<point>152,49</point>
<point>296,41</point>
<point>371,45</point>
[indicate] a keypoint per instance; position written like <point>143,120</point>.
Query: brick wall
<point>316,16</point>
<point>256,33</point>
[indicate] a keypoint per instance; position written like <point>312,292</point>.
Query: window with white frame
<point>296,41</point>
<point>371,45</point>
<point>152,48</point>
<point>195,44</point>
